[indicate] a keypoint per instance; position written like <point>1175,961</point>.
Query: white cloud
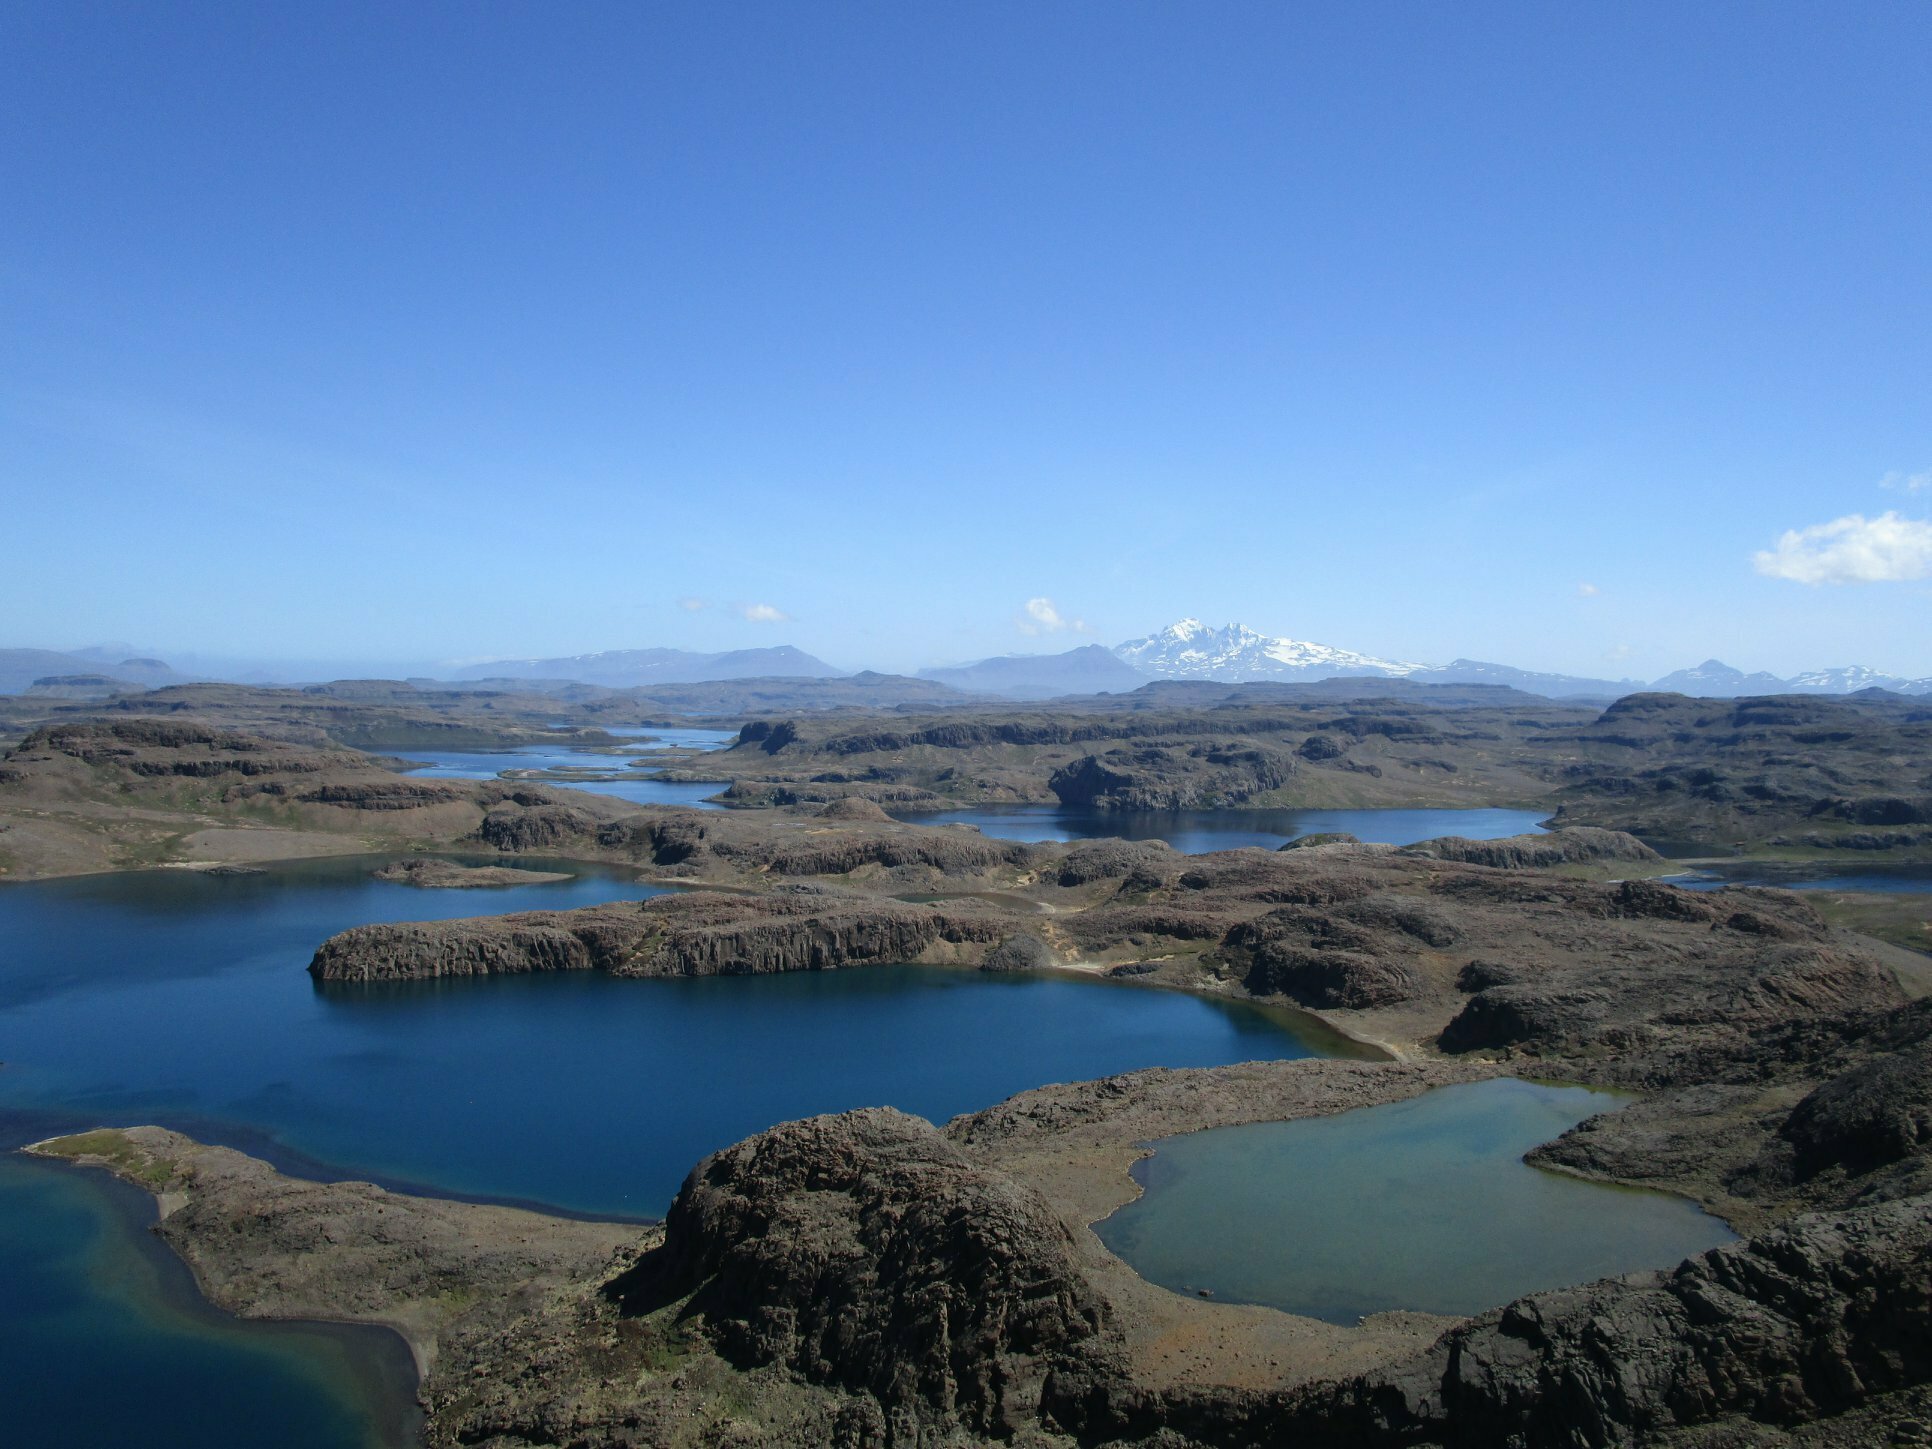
<point>1617,653</point>
<point>762,614</point>
<point>692,605</point>
<point>1907,482</point>
<point>1039,616</point>
<point>1587,591</point>
<point>1852,550</point>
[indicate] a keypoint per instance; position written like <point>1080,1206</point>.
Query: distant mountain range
<point>628,668</point>
<point>1187,650</point>
<point>61,672</point>
<point>1094,669</point>
<point>1714,679</point>
<point>1236,654</point>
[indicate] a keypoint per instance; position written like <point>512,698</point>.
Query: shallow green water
<point>1424,1204</point>
<point>106,1344</point>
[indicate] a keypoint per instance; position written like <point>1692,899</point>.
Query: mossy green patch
<point>115,1149</point>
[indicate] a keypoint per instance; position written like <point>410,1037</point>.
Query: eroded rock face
<point>1799,1322</point>
<point>1874,1114</point>
<point>1160,777</point>
<point>1571,846</point>
<point>694,934</point>
<point>1021,951</point>
<point>866,1251</point>
<point>1321,959</point>
<point>1138,864</point>
<point>1660,1007</point>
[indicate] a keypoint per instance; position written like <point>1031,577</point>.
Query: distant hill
<point>1714,679</point>
<point>81,686</point>
<point>20,668</point>
<point>737,697</point>
<point>1090,670</point>
<point>630,668</point>
<point>1551,686</point>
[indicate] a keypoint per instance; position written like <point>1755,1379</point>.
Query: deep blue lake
<point>181,998</point>
<point>1198,831</point>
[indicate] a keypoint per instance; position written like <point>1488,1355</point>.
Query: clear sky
<point>1525,332</point>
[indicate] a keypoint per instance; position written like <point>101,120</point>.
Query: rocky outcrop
<point>1137,864</point>
<point>1574,845</point>
<point>1352,980</point>
<point>1021,951</point>
<point>1320,838</point>
<point>487,946</point>
<point>1796,1323</point>
<point>1697,975</point>
<point>867,1251</point>
<point>1868,1116</point>
<point>515,829</point>
<point>854,807</point>
<point>428,874</point>
<point>158,748</point>
<point>1157,777</point>
<point>696,934</point>
<point>1323,959</point>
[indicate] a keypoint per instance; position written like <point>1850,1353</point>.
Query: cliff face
<point>1157,777</point>
<point>695,934</point>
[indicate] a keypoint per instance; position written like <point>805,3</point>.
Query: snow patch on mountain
<point>1235,654</point>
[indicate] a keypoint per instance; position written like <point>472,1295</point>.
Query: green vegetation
<point>114,1149</point>
<point>1902,919</point>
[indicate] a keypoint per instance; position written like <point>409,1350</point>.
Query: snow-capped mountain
<point>1714,679</point>
<point>1853,677</point>
<point>1235,654</point>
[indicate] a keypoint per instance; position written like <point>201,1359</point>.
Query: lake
<point>637,784</point>
<point>1424,1204</point>
<point>105,1341</point>
<point>1813,876</point>
<point>180,998</point>
<point>1198,831</point>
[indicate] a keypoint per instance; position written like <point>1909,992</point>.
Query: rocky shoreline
<point>869,1279</point>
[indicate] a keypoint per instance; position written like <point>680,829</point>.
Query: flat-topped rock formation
<point>696,934</point>
<point>448,875</point>
<point>132,791</point>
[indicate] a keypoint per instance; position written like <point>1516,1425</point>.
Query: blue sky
<point>1523,332</point>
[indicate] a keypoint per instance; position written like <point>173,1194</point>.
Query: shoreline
<point>388,1366</point>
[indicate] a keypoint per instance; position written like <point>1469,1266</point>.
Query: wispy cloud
<point>761,614</point>
<point>1907,482</point>
<point>692,605</point>
<point>1852,550</point>
<point>1617,653</point>
<point>1587,591</point>
<point>1040,616</point>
